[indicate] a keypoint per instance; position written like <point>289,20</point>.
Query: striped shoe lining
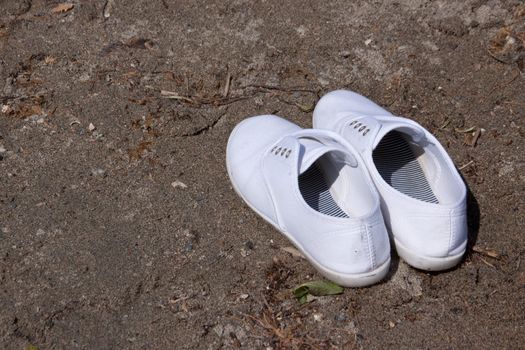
<point>316,192</point>
<point>396,162</point>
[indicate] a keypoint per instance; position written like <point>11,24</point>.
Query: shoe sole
<point>345,280</point>
<point>425,262</point>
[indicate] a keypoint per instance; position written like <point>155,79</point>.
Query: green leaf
<point>303,299</point>
<point>31,347</point>
<point>305,291</point>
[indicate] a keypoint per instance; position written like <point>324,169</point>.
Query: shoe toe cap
<point>250,138</point>
<point>246,145</point>
<point>334,104</point>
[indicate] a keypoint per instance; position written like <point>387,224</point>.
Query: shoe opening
<point>332,187</point>
<point>416,170</point>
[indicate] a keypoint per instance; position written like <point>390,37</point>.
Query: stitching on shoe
<point>268,193</point>
<point>451,236</point>
<point>371,251</point>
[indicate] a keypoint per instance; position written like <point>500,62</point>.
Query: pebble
<point>345,54</point>
<point>340,317</point>
<point>245,252</point>
<point>219,330</point>
<point>98,172</point>
<point>180,184</point>
<point>91,127</point>
<point>249,244</point>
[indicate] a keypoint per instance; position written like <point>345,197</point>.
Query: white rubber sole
<point>425,262</point>
<point>343,279</point>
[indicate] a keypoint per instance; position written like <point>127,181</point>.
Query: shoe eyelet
<point>366,132</point>
<point>357,125</point>
<point>278,150</point>
<point>353,122</point>
<point>273,149</point>
<point>288,153</point>
<point>362,128</point>
<point>283,152</point>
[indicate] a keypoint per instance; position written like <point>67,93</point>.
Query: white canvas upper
<point>425,212</point>
<point>267,155</point>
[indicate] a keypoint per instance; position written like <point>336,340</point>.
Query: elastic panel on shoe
<point>316,192</point>
<point>398,166</point>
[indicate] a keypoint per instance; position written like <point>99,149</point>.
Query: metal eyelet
<point>278,150</point>
<point>362,128</point>
<point>353,122</point>
<point>283,152</point>
<point>366,132</point>
<point>288,153</point>
<point>357,125</point>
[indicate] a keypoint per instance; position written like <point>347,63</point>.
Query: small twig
<point>227,85</point>
<point>496,58</point>
<point>464,131</point>
<point>279,88</point>
<point>175,96</point>
<point>487,263</point>
<point>445,124</point>
<point>466,165</point>
<point>504,84</point>
<point>175,301</point>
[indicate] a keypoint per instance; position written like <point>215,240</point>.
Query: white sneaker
<point>313,187</point>
<point>423,197</point>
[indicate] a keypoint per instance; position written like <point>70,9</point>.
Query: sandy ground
<point>119,228</point>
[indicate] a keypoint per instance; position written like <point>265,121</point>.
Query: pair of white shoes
<point>331,190</point>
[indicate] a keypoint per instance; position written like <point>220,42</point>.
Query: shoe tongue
<point>310,151</point>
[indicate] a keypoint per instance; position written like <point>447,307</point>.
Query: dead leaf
<point>491,253</point>
<point>50,60</point>
<point>472,138</point>
<point>137,152</point>
<point>148,122</point>
<point>131,74</point>
<point>26,111</point>
<point>169,76</point>
<point>140,43</point>
<point>3,32</point>
<point>292,251</point>
<point>63,7</point>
